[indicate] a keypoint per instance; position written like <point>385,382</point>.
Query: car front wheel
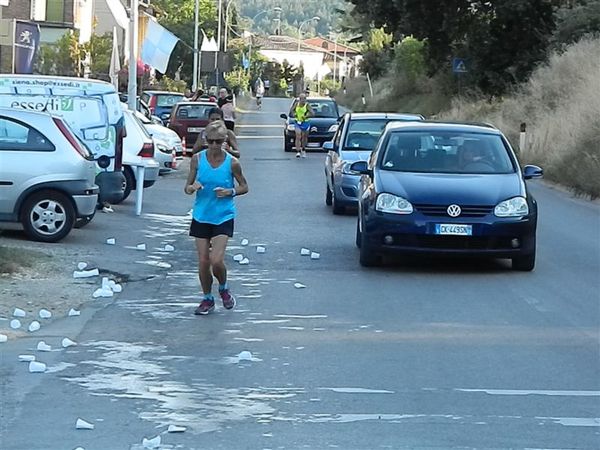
<point>128,185</point>
<point>47,216</point>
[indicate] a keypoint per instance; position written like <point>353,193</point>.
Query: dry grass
<point>13,260</point>
<point>561,106</point>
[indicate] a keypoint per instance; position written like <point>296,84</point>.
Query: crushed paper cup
<point>299,286</point>
<point>102,293</point>
<point>45,314</point>
<point>15,324</point>
<point>83,425</point>
<point>141,247</point>
<point>245,356</point>
<point>238,257</point>
<point>151,443</point>
<point>111,241</point>
<point>304,252</point>
<point>26,358</point>
<point>245,242</point>
<point>18,312</point>
<point>74,312</point>
<point>86,273</point>
<point>117,288</point>
<point>315,255</point>
<point>34,326</point>
<point>66,342</point>
<point>176,429</point>
<point>81,265</point>
<point>3,338</point>
<point>260,249</point>
<point>37,367</point>
<point>245,262</point>
<point>169,248</point>
<point>43,347</point>
<point>105,283</point>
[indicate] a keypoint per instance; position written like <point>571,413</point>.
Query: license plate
<point>453,229</point>
<point>194,130</point>
<point>313,144</point>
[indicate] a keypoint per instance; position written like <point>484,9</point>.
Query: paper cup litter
<point>111,241</point>
<point>245,262</point>
<point>74,312</point>
<point>81,265</point>
<point>169,248</point>
<point>43,347</point>
<point>83,425</point>
<point>15,324</point>
<point>151,443</point>
<point>66,342</point>
<point>18,312</point>
<point>299,286</point>
<point>37,367</point>
<point>3,338</point>
<point>245,242</point>
<point>141,246</point>
<point>26,358</point>
<point>238,257</point>
<point>176,429</point>
<point>34,326</point>
<point>45,314</point>
<point>245,356</point>
<point>304,252</point>
<point>260,249</point>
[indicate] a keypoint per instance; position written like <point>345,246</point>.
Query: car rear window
<point>446,152</point>
<point>168,100</point>
<point>194,111</point>
<point>364,134</point>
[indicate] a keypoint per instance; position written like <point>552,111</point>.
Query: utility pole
<point>196,50</point>
<point>133,56</point>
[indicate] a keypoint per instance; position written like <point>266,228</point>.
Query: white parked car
<point>164,134</point>
<point>138,151</point>
<point>47,175</point>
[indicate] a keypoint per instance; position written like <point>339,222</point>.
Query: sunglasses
<point>215,141</point>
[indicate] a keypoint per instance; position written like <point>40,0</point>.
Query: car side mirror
<point>165,117</point>
<point>283,116</point>
<point>531,171</point>
<point>328,146</point>
<point>361,167</point>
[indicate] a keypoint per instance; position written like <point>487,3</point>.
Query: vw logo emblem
<point>314,129</point>
<point>454,210</point>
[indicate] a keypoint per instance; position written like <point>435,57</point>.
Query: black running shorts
<point>204,230</point>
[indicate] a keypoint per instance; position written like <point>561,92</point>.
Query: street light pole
<point>133,54</point>
<point>316,19</point>
<point>226,37</point>
<point>196,50</point>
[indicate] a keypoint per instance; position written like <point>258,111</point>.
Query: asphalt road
<point>414,355</point>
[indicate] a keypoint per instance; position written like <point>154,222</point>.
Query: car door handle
<point>6,183</point>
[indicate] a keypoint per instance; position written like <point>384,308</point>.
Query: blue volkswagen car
<point>446,188</point>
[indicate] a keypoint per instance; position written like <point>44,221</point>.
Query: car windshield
<point>194,111</point>
<point>458,152</point>
<point>363,134</point>
<point>323,108</point>
<point>168,100</point>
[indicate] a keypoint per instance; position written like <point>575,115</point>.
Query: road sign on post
<point>459,65</point>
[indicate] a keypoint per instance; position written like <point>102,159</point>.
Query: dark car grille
<point>466,211</point>
<point>453,242</point>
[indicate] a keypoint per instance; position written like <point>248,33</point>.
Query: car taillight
<point>69,136</point>
<point>147,150</point>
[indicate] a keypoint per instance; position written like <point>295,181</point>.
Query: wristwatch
<point>233,193</point>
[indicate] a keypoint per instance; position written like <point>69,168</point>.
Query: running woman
<point>211,178</point>
<point>302,112</point>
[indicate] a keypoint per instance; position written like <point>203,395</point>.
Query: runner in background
<point>230,145</point>
<point>260,92</point>
<point>267,86</point>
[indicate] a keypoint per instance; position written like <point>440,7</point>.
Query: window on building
<point>55,10</point>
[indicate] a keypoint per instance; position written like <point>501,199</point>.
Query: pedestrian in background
<point>267,86</point>
<point>212,177</point>
<point>229,113</point>
<point>230,145</point>
<point>222,99</point>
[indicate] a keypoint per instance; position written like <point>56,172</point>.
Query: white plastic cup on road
<point>245,356</point>
<point>26,358</point>
<point>151,443</point>
<point>304,252</point>
<point>83,425</point>
<point>315,255</point>
<point>37,367</point>
<point>3,338</point>
<point>169,248</point>
<point>45,314</point>
<point>245,262</point>
<point>299,286</point>
<point>18,312</point>
<point>245,242</point>
<point>43,347</point>
<point>260,249</point>
<point>238,257</point>
<point>34,326</point>
<point>66,342</point>
<point>117,288</point>
<point>111,241</point>
<point>86,273</point>
<point>15,324</point>
<point>74,312</point>
<point>176,429</point>
<point>105,283</point>
<point>81,265</point>
<point>141,247</point>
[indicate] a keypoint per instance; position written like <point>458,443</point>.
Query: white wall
<point>312,61</point>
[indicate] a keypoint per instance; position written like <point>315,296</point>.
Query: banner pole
<point>14,48</point>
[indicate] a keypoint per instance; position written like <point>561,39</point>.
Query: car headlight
<point>347,170</point>
<point>513,207</point>
<point>333,128</point>
<point>291,127</point>
<point>389,203</point>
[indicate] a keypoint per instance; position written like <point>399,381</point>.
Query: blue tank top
<point>208,208</point>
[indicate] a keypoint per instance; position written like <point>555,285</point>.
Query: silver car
<point>46,175</point>
<point>353,141</point>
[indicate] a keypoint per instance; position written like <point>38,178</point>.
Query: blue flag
<point>27,42</point>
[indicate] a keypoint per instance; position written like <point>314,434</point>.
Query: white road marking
<point>260,137</point>
<point>279,125</point>
<point>534,392</point>
<point>358,390</point>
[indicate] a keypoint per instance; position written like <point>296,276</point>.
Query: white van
<point>92,109</point>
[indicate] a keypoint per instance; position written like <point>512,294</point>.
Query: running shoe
<point>107,209</point>
<point>228,299</point>
<point>205,307</point>
<point>304,153</point>
<point>297,154</point>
